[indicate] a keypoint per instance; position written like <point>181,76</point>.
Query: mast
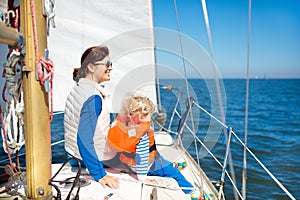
<point>36,106</point>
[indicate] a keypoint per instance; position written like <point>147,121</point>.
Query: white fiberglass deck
<point>130,188</point>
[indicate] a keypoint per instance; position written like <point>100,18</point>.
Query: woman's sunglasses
<point>107,64</point>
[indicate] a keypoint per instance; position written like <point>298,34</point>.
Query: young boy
<point>132,135</point>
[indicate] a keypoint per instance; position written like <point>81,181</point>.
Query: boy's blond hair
<point>137,106</point>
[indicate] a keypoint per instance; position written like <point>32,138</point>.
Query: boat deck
<point>130,187</point>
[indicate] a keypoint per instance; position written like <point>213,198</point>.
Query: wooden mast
<point>36,107</point>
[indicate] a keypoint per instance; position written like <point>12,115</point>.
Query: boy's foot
<point>196,194</point>
<point>180,165</point>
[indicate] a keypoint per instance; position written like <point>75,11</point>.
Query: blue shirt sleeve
<point>90,112</point>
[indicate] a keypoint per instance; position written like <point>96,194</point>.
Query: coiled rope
<point>12,120</point>
<point>12,124</point>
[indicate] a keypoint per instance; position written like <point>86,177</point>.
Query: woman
<point>87,116</point>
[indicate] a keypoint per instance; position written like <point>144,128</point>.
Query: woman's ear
<point>91,67</point>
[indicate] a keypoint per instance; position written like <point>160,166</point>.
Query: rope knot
<point>45,70</point>
<point>49,73</point>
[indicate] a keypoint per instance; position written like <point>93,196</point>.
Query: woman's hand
<point>110,181</point>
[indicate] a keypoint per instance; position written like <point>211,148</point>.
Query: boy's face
<point>141,119</point>
<point>145,118</point>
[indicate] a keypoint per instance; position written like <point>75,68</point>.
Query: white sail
<point>126,29</point>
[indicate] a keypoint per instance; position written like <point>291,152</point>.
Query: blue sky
<point>275,34</point>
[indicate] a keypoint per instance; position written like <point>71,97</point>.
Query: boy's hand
<point>149,180</point>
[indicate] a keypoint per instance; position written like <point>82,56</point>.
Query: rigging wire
<point>185,74</point>
<point>244,181</point>
<point>249,151</point>
<point>221,106</point>
<point>221,191</point>
<point>218,162</point>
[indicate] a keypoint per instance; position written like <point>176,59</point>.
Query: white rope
<point>49,11</point>
<point>13,114</point>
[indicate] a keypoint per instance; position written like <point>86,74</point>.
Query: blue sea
<point>273,133</point>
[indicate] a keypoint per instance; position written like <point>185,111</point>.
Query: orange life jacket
<point>124,139</point>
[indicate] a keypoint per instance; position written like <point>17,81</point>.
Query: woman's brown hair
<point>90,55</point>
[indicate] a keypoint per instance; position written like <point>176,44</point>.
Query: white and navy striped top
<point>142,158</point>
